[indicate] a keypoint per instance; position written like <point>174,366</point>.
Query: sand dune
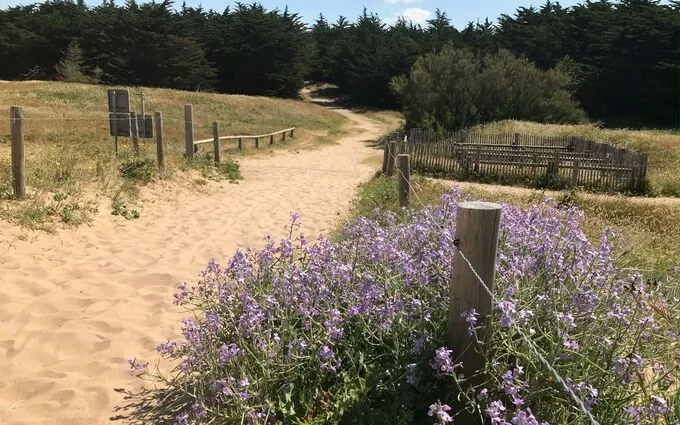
<point>76,306</point>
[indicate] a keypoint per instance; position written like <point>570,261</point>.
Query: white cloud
<point>401,1</point>
<point>413,14</point>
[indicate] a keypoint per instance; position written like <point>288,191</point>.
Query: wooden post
<point>160,148</point>
<point>257,142</point>
<point>271,139</point>
<point>240,144</point>
<point>142,110</point>
<point>292,133</point>
<point>115,125</point>
<point>216,141</point>
<point>478,158</point>
<point>386,153</point>
<point>18,153</point>
<point>134,130</point>
<point>477,227</point>
<point>284,136</point>
<point>404,165</point>
<point>575,171</point>
<point>392,149</point>
<point>189,130</point>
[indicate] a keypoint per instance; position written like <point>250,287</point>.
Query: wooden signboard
<point>119,124</point>
<point>119,101</point>
<point>119,112</point>
<point>145,127</point>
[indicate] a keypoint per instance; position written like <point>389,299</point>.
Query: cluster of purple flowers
<point>296,327</point>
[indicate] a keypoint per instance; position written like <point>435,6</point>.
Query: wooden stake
<point>404,165</point>
<point>135,132</point>
<point>216,141</point>
<point>18,153</point>
<point>386,153</point>
<point>160,148</point>
<point>392,149</point>
<point>189,130</point>
<point>477,226</point>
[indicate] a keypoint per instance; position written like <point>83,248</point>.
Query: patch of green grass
<point>139,169</point>
<point>38,214</point>
<point>228,169</point>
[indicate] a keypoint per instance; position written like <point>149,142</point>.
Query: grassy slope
<point>69,150</point>
<point>662,146</point>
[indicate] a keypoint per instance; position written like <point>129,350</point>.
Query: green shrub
<point>139,169</point>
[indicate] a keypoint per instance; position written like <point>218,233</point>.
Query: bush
<point>139,169</point>
<point>454,89</point>
<point>353,331</point>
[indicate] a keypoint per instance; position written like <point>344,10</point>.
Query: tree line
<point>622,57</point>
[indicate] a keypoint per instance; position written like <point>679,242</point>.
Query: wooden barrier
<point>404,187</point>
<point>18,152</point>
<point>160,147</point>
<point>189,131</point>
<point>256,138</point>
<point>477,228</point>
<point>216,141</point>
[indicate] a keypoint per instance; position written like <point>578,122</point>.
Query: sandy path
<point>75,307</point>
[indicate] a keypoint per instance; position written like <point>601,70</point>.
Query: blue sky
<point>460,11</point>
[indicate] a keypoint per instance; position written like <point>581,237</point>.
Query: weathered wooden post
<point>477,228</point>
<point>576,170</point>
<point>216,141</point>
<point>292,133</point>
<point>257,142</point>
<point>391,157</point>
<point>386,153</point>
<point>160,147</point>
<point>189,130</point>
<point>134,130</point>
<point>271,139</point>
<point>284,136</point>
<point>404,165</point>
<point>240,144</point>
<point>18,153</point>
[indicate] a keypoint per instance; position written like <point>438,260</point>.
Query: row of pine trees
<point>623,56</point>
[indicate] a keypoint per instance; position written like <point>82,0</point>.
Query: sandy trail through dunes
<point>75,307</point>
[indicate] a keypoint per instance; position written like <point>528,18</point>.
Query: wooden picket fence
<point>575,161</point>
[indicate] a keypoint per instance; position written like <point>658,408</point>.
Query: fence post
<point>271,139</point>
<point>216,141</point>
<point>189,130</point>
<point>240,144</point>
<point>292,134</point>
<point>386,153</point>
<point>284,136</point>
<point>134,130</point>
<point>18,153</point>
<point>477,228</point>
<point>404,165</point>
<point>575,171</point>
<point>160,148</point>
<point>257,142</point>
<point>391,152</point>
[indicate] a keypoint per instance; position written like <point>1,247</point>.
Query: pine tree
<point>71,67</point>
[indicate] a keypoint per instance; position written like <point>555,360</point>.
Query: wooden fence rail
<point>568,159</point>
<point>257,137</point>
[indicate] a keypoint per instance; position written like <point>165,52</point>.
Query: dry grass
<point>662,146</point>
<point>69,149</point>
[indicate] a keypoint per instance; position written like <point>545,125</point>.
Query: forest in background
<point>623,57</point>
